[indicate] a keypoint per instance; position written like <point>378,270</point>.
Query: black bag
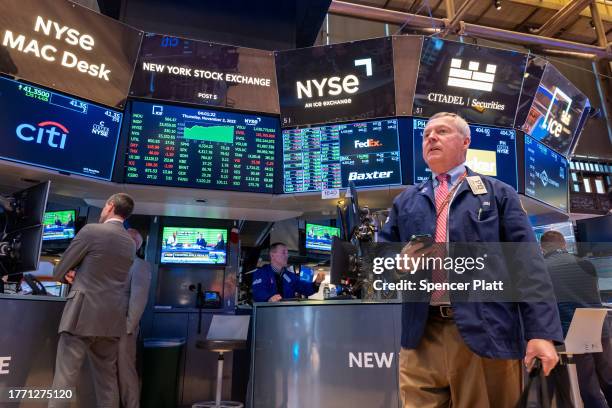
<point>535,394</point>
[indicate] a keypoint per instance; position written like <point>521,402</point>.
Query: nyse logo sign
<point>546,180</point>
<point>471,78</point>
<point>368,143</point>
<point>482,161</point>
<point>44,130</point>
<point>370,360</point>
<point>335,85</point>
<point>555,126</point>
<point>503,148</point>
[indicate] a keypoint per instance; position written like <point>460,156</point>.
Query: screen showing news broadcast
<point>204,246</point>
<point>319,237</point>
<point>59,225</point>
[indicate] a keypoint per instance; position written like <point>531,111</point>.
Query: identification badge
<point>476,185</point>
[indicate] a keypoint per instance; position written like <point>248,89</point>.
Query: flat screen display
<point>329,157</point>
<point>59,225</point>
<point>188,147</point>
<point>204,246</point>
<point>556,111</point>
<point>46,129</point>
<point>492,153</point>
<point>336,83</point>
<point>319,237</point>
<point>481,84</point>
<point>546,174</point>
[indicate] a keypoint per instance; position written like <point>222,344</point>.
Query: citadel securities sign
<point>61,45</point>
<point>481,84</point>
<point>337,83</point>
<point>204,73</point>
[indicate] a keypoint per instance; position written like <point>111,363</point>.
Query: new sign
<point>336,83</point>
<point>68,47</point>
<point>203,73</point>
<point>481,84</point>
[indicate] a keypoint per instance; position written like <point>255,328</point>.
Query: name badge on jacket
<point>476,185</point>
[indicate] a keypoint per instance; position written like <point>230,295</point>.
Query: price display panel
<point>492,153</point>
<point>545,174</point>
<point>329,157</point>
<point>199,148</point>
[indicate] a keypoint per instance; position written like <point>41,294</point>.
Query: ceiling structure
<point>525,16</point>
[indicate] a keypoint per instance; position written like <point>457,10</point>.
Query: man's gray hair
<point>460,123</point>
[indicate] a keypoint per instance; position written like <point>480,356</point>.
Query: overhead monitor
<point>336,83</point>
<point>481,84</point>
<point>556,111</point>
<point>46,129</point>
<point>180,146</point>
<point>200,72</point>
<point>546,174</point>
<point>203,246</point>
<point>59,225</point>
<point>319,237</point>
<point>492,153</point>
<point>329,157</point>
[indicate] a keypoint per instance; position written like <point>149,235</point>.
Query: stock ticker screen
<point>46,129</point>
<point>329,157</point>
<point>200,148</point>
<point>546,174</point>
<point>492,153</point>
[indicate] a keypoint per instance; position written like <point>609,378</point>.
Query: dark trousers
<point>102,352</point>
<point>595,376</point>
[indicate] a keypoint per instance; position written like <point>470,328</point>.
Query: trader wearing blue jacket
<point>274,282</point>
<point>466,354</point>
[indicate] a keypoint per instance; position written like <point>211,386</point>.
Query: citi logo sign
<point>472,77</point>
<point>335,85</point>
<point>546,180</point>
<point>44,131</point>
<point>370,360</point>
<point>368,143</point>
<point>376,175</point>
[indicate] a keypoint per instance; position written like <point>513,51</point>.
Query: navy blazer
<point>489,329</point>
<point>264,284</point>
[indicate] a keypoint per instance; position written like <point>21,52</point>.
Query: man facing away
<point>576,285</point>
<point>138,293</point>
<point>274,282</point>
<point>466,354</point>
<point>97,264</point>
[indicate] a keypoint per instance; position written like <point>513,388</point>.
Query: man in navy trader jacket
<point>274,282</point>
<point>467,354</point>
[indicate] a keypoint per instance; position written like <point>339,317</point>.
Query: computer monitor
<point>27,207</point>
<point>343,265</point>
<point>319,237</point>
<point>59,225</point>
<point>21,249</point>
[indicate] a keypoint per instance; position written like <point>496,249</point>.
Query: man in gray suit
<point>138,293</point>
<point>97,264</point>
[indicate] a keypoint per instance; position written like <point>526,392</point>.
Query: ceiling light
<point>498,4</point>
<point>592,24</point>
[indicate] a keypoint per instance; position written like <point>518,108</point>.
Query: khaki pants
<point>442,372</point>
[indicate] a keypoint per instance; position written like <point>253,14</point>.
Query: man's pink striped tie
<point>439,275</point>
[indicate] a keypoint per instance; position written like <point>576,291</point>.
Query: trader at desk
<point>274,282</point>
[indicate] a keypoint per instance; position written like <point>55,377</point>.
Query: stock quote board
<point>46,129</point>
<point>492,153</point>
<point>198,148</point>
<point>329,157</point>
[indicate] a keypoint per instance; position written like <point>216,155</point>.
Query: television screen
<point>556,111</point>
<point>59,225</point>
<point>329,157</point>
<point>479,83</point>
<point>319,237</point>
<point>492,153</point>
<point>546,174</point>
<point>200,148</point>
<point>46,129</point>
<point>207,246</point>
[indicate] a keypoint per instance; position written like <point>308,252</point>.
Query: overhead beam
<point>561,17</point>
<point>458,16</point>
<point>604,9</point>
<point>490,33</point>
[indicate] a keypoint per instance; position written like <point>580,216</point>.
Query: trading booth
<point>207,136</point>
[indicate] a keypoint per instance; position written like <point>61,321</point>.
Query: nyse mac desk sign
<point>481,84</point>
<point>67,47</point>
<point>46,129</point>
<point>184,70</point>
<point>336,83</point>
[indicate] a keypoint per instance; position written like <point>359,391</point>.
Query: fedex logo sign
<point>46,130</point>
<point>367,143</point>
<point>335,85</point>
